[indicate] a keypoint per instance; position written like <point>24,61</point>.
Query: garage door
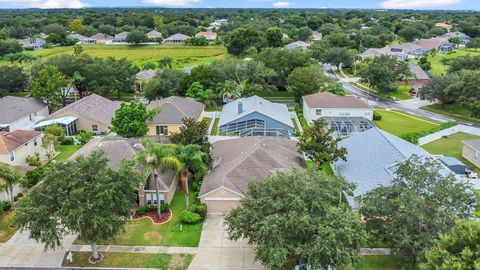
<point>220,206</point>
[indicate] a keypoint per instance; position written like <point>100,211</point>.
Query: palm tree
<point>8,178</point>
<point>194,162</point>
<point>158,156</point>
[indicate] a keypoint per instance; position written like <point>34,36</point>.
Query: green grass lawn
<point>379,262</point>
<point>5,232</point>
<point>439,69</point>
<point>132,260</point>
<point>65,151</point>
<point>453,110</point>
<point>143,232</point>
<point>400,124</point>
<point>451,146</point>
<point>207,120</point>
<point>400,94</point>
<point>215,127</point>
<point>182,55</point>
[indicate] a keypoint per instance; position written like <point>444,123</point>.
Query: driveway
<point>217,252</point>
<point>20,251</point>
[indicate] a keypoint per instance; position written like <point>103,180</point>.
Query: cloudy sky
<point>390,4</point>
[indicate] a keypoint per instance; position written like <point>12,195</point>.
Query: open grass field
<point>453,110</point>
<point>5,232</point>
<point>66,151</point>
<point>439,69</point>
<point>143,232</point>
<point>182,55</point>
<point>451,146</point>
<point>132,260</point>
<point>400,124</point>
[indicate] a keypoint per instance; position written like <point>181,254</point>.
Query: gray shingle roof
<point>252,104</point>
<point>178,37</point>
<point>371,159</point>
<point>146,74</point>
<point>173,109</point>
<point>417,71</point>
<point>329,100</point>
<point>14,108</point>
<point>237,162</point>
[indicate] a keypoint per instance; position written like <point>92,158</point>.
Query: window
<point>318,111</point>
<point>94,128</point>
<point>162,130</point>
<point>152,198</point>
<point>35,143</point>
<point>11,156</point>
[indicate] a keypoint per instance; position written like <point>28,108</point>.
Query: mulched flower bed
<point>154,216</point>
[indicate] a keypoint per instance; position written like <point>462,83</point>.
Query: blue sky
<point>376,4</point>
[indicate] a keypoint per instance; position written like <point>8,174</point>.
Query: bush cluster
<point>377,116</point>
<point>145,208</point>
<point>5,205</point>
<point>189,217</point>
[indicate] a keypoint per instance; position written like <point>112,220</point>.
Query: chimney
<point>240,107</point>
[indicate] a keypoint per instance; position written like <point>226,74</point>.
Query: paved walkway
<point>135,249</point>
<point>217,252</point>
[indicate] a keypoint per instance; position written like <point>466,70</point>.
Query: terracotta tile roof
<point>10,141</point>
<point>329,100</point>
<point>210,35</point>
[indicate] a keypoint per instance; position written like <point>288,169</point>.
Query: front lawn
<point>451,146</point>
<point>452,110</point>
<point>399,123</point>
<point>215,127</point>
<point>132,260</point>
<point>5,231</point>
<point>207,120</point>
<point>65,151</point>
<point>381,262</point>
<point>143,232</point>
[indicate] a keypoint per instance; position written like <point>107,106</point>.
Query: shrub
<point>377,116</point>
<point>164,207</point>
<point>189,217</point>
<point>6,205</point>
<point>18,197</point>
<point>34,176</point>
<point>146,208</point>
<point>33,160</point>
<point>196,186</point>
<point>11,218</point>
<point>83,137</point>
<point>67,141</point>
<point>200,209</point>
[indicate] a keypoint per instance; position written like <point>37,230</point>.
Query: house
<point>463,37</point>
<point>440,44</point>
<point>32,43</point>
<point>173,110</point>
<point>17,188</point>
<point>345,114</point>
<point>255,116</point>
<point>217,24</point>
<point>120,37</point>
<point>401,51</point>
<point>298,45</point>
<point>91,113</point>
<point>154,36</point>
<point>177,38</point>
<point>444,26</point>
<point>471,151</point>
<point>210,36</point>
<point>316,36</point>
<point>372,159</point>
<point>101,38</point>
<point>16,146</point>
<point>117,150</point>
<point>82,39</point>
<point>237,162</point>
<point>145,75</point>
<point>21,112</point>
<point>420,77</point>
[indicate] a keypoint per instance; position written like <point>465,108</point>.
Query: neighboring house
<point>440,44</point>
<point>345,114</point>
<point>177,38</point>
<point>471,151</point>
<point>316,36</point>
<point>210,36</point>
<point>444,25</point>
<point>32,42</point>
<point>120,37</point>
<point>420,77</point>
<point>237,162</point>
<point>117,150</point>
<point>21,112</point>
<point>172,110</point>
<point>17,145</point>
<point>92,113</point>
<point>17,188</point>
<point>298,45</point>
<point>463,37</point>
<point>372,159</point>
<point>145,75</point>
<point>101,38</point>
<point>401,51</point>
<point>255,116</point>
<point>217,24</point>
<point>82,39</point>
<point>154,36</point>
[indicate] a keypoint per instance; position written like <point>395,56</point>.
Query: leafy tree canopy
<point>130,119</point>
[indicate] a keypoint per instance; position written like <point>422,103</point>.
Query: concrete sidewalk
<point>135,249</point>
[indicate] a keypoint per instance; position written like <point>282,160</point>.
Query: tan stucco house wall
<point>83,123</point>
<point>172,128</point>
<point>21,153</point>
<point>221,201</point>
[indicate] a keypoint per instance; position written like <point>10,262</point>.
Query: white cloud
<point>46,3</point>
<point>282,4</point>
<point>171,2</point>
<point>407,4</point>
